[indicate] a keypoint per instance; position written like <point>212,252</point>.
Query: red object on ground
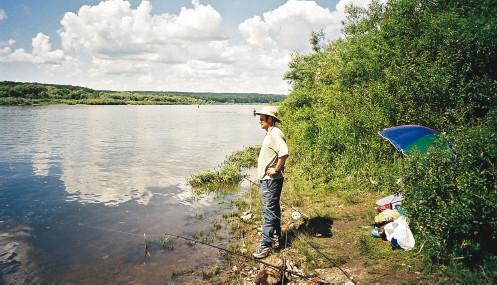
<point>383,208</point>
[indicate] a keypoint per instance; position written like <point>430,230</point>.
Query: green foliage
<point>451,197</point>
<point>210,273</point>
<point>228,173</point>
<point>431,63</point>
<point>166,243</point>
<point>223,98</point>
<point>316,40</point>
<point>245,158</point>
<point>16,93</point>
<point>181,272</point>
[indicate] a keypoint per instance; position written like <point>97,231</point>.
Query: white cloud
<point>290,25</point>
<point>117,46</point>
<point>42,52</point>
<point>8,42</point>
<point>3,15</point>
<point>112,28</point>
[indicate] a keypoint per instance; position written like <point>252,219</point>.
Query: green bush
<point>228,174</point>
<point>406,62</point>
<point>245,158</point>
<point>451,196</point>
<point>432,63</point>
<point>214,180</point>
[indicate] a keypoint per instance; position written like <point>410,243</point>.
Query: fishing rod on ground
<point>310,278</point>
<point>280,269</point>
<point>350,277</point>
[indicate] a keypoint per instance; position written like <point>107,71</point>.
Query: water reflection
<point>73,177</point>
<point>110,155</point>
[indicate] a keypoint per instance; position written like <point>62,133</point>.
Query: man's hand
<point>279,165</point>
<point>270,171</point>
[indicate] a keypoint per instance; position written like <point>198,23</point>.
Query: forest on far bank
<point>20,93</point>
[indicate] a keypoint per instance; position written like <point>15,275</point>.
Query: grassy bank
<point>337,223</point>
<point>339,226</point>
<point>430,63</point>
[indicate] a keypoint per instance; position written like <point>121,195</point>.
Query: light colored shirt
<point>273,147</point>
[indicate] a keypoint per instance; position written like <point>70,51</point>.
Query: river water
<point>79,185</point>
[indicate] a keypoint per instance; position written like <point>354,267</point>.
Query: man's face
<point>265,121</point>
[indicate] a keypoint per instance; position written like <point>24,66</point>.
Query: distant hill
<point>24,93</point>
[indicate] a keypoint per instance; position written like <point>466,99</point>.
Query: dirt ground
<point>331,241</point>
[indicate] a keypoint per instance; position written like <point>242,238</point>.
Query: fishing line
<point>310,278</point>
<point>307,277</point>
<point>351,278</point>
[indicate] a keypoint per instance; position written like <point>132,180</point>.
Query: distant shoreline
<point>39,94</point>
<point>138,103</point>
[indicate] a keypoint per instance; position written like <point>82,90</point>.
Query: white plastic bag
<point>399,230</point>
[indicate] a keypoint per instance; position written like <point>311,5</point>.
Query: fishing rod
<point>310,278</point>
<point>281,269</point>
<point>350,277</point>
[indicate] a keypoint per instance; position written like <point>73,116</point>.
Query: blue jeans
<point>271,210</point>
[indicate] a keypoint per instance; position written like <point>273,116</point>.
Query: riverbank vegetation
<point>18,93</point>
<point>430,63</point>
<point>228,174</point>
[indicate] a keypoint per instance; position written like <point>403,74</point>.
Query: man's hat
<point>269,111</point>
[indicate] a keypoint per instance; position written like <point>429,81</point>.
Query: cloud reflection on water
<point>113,155</point>
<point>124,169</point>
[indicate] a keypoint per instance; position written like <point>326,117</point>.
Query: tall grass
<point>228,174</point>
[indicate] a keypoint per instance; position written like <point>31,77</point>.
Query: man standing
<point>270,166</point>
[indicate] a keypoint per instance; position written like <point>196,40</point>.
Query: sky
<point>162,45</point>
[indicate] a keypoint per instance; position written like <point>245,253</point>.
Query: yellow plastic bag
<point>386,216</point>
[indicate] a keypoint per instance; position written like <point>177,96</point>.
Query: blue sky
<point>223,46</point>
